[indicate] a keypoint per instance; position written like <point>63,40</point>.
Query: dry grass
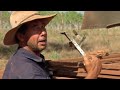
<point>3,63</point>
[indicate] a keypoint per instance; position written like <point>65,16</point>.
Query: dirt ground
<point>1,73</point>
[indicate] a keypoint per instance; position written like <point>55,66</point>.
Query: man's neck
<point>35,52</point>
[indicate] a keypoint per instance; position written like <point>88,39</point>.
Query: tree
<point>65,19</point>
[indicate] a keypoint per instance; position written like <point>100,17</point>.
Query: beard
<point>35,47</point>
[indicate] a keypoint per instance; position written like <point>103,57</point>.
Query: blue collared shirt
<point>26,65</point>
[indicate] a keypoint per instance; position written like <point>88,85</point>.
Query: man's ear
<point>20,36</point>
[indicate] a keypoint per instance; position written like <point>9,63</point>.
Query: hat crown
<point>18,16</point>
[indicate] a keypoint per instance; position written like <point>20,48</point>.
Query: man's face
<point>36,35</point>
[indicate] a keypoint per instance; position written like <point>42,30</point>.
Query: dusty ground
<point>3,63</point>
<point>1,73</point>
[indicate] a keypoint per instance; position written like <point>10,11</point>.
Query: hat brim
<point>9,38</point>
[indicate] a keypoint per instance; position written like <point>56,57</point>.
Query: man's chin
<point>42,48</point>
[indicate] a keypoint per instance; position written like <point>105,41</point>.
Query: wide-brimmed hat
<point>18,18</point>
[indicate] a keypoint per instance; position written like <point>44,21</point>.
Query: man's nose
<point>44,32</point>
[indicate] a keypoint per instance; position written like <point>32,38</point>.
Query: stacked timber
<point>74,68</point>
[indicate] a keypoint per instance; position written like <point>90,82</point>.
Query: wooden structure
<point>73,68</point>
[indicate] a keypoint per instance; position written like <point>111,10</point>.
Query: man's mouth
<point>43,42</point>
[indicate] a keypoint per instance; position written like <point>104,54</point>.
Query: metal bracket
<point>74,43</point>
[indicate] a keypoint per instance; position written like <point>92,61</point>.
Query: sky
<point>80,12</point>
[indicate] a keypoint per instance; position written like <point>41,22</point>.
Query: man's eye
<point>39,27</point>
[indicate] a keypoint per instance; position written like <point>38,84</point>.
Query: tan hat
<point>18,18</point>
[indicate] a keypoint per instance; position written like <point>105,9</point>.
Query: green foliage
<point>63,19</point>
<point>5,15</point>
<point>4,19</point>
<point>47,12</point>
<point>72,17</point>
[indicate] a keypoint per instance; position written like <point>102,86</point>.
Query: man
<point>28,31</point>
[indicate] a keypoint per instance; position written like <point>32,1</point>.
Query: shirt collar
<point>31,55</point>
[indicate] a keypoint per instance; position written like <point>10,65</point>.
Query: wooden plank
<point>111,66</point>
<point>75,74</point>
<point>113,55</point>
<point>105,72</point>
<point>69,67</point>
<point>56,77</point>
<point>112,60</point>
<point>72,72</point>
<point>110,72</point>
<point>105,59</point>
<point>99,76</point>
